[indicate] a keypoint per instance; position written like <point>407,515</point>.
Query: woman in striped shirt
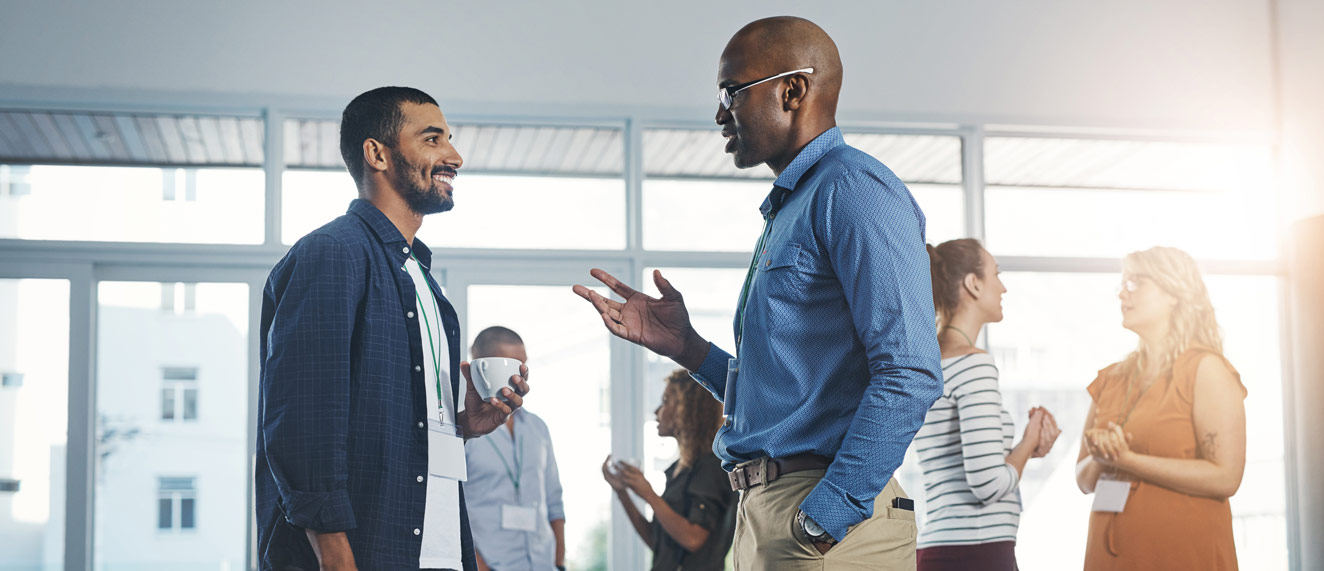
<point>971,470</point>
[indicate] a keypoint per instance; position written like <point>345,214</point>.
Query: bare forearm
<point>482,565</point>
<point>641,524</point>
<point>688,534</point>
<point>1020,455</point>
<point>1196,477</point>
<point>332,551</point>
<point>1087,474</point>
<point>558,530</point>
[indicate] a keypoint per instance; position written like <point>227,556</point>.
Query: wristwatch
<point>813,530</point>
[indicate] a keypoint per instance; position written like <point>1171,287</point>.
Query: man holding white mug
<point>360,452</point>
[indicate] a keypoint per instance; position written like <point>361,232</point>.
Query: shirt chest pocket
<point>782,279</point>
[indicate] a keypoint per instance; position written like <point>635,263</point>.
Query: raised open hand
<point>661,325</point>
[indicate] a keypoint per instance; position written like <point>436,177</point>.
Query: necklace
<point>967,337</point>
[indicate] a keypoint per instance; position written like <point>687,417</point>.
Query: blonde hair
<point>1192,322</point>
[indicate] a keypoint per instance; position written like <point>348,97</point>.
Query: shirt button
<point>420,479</point>
<point>409,314</point>
<point>420,425</point>
<point>767,263</point>
<point>406,250</point>
<point>417,531</point>
<point>417,368</point>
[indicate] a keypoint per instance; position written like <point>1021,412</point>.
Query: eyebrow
<point>437,130</point>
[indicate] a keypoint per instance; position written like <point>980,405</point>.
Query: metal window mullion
<point>273,166</point>
<point>80,465</point>
<point>255,284</point>
<point>972,181</point>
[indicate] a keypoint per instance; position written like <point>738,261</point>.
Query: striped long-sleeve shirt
<point>970,490</point>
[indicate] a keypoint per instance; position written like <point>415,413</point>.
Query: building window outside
<point>179,394</point>
<point>179,185</point>
<point>12,380</point>
<point>179,298</point>
<point>14,180</point>
<point>176,503</point>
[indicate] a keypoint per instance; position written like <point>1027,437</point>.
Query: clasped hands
<point>1110,446</point>
<point>627,477</point>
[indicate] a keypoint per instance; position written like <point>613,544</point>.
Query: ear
<point>375,156</point>
<point>972,285</point>
<point>797,90</point>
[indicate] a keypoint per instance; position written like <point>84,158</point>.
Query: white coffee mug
<point>491,374</point>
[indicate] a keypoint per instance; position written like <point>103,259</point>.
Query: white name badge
<point>518,518</point>
<point>446,452</point>
<point>1110,495</point>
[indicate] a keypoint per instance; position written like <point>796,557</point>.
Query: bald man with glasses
<point>837,359</point>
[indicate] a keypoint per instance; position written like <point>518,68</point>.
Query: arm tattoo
<point>1209,447</point>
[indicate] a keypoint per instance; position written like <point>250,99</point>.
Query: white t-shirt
<point>441,514</point>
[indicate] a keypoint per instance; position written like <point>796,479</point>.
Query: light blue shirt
<point>491,461</point>
<point>839,354</point>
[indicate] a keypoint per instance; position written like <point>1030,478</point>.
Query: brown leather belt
<point>766,470</point>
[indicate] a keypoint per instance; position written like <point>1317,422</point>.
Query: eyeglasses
<point>727,95</point>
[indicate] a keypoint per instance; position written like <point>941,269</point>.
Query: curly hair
<point>1192,321</point>
<point>697,416</point>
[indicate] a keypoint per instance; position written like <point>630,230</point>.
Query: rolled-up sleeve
<point>874,236</point>
<point>305,384</point>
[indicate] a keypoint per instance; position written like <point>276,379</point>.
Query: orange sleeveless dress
<point>1160,529</point>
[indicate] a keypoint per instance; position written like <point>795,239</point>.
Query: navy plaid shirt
<point>839,355</point>
<point>342,434</point>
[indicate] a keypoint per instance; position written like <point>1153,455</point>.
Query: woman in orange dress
<point>1167,428</point>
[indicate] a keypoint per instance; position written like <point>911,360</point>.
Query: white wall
<point>1183,64</point>
<point>1301,53</point>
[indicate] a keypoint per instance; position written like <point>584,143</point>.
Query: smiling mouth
<point>444,176</point>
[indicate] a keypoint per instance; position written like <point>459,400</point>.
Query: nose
<point>452,157</point>
<point>723,115</point>
<point>657,412</point>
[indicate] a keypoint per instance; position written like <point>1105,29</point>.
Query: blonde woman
<point>1165,440</point>
<point>971,469</point>
<point>695,517</point>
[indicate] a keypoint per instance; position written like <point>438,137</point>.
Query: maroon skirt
<point>997,556</point>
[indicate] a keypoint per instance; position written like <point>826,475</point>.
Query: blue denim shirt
<point>342,440</point>
<point>839,354</point>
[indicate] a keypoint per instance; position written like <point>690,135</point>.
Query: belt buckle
<point>738,479</point>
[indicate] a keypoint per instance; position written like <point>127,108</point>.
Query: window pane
<point>136,341</point>
<point>531,212</point>
<point>1070,197</point>
<point>1059,330</point>
<point>490,211</point>
<point>569,361</point>
<point>126,204</point>
<point>168,403</point>
<point>186,506</point>
<point>165,513</point>
<point>310,199</point>
<point>34,343</point>
<point>190,404</point>
<point>696,200</point>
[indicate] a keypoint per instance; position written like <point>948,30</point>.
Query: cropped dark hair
<point>376,115</point>
<point>949,263</point>
<point>487,340</point>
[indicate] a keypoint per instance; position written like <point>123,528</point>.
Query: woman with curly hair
<point>694,518</point>
<point>1165,439</point>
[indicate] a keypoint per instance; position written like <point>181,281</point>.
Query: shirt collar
<point>389,235</point>
<point>808,157</point>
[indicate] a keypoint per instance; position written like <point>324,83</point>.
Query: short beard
<point>423,201</point>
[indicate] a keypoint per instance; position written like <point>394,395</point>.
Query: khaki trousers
<point>768,538</point>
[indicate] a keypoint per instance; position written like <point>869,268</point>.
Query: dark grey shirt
<point>702,494</point>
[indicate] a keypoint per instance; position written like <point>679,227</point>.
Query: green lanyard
<point>514,475</point>
<point>749,279</point>
<point>427,325</point>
